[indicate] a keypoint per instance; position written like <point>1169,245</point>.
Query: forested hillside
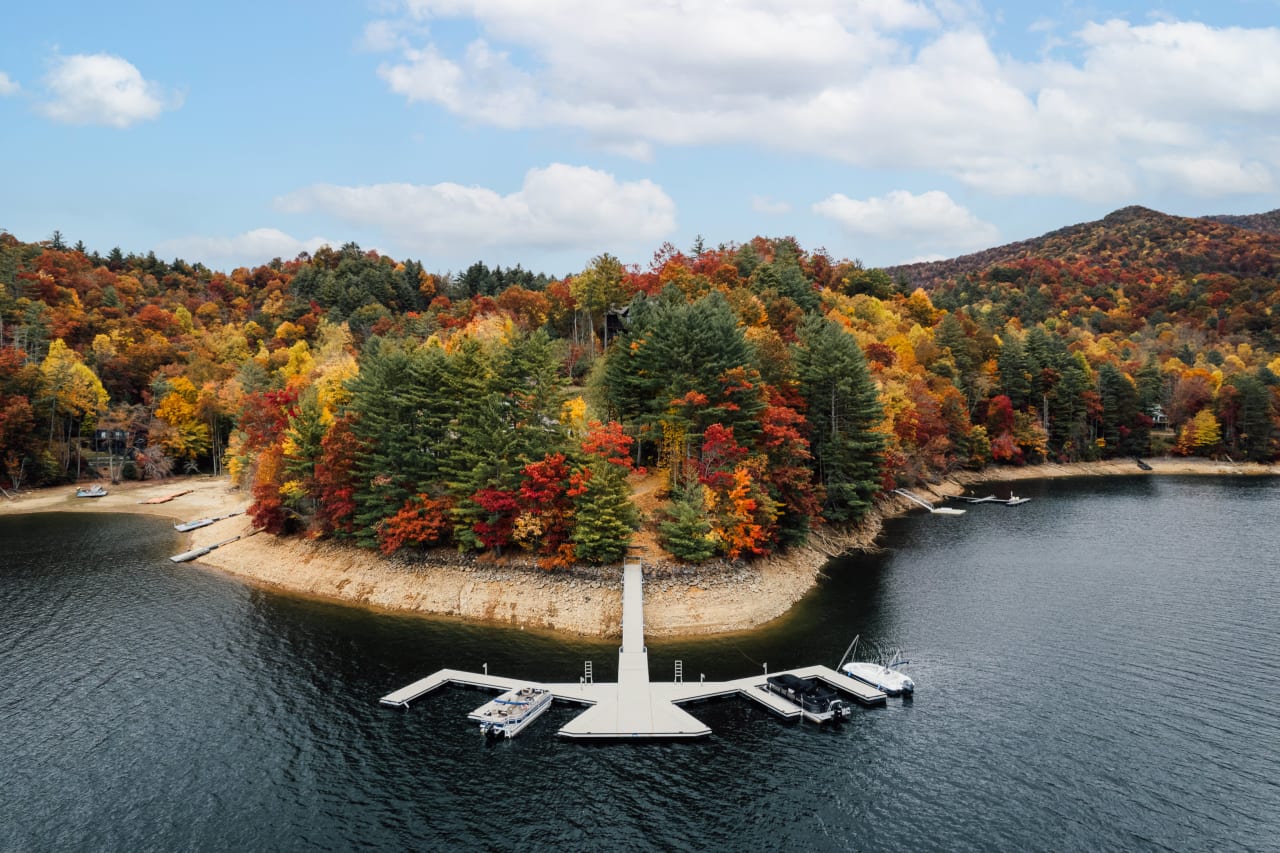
<point>762,387</point>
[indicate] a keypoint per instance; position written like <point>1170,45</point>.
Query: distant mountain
<point>1243,246</point>
<point>1265,222</point>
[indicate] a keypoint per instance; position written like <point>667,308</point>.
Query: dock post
<point>486,668</point>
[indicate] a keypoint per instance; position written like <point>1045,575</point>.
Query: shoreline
<point>679,600</point>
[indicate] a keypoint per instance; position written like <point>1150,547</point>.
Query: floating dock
<point>635,707</point>
<point>936,510</point>
<point>196,553</point>
<point>188,526</point>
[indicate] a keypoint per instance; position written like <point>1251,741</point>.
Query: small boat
<point>881,676</point>
<point>816,701</point>
<point>91,492</point>
<point>886,679</point>
<point>508,715</point>
<point>1014,500</point>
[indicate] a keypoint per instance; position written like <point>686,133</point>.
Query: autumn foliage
<point>768,388</point>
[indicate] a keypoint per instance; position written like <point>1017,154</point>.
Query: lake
<point>1096,669</point>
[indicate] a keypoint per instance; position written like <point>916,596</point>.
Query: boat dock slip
<point>636,707</point>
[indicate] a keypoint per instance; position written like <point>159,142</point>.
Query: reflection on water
<point>1097,669</point>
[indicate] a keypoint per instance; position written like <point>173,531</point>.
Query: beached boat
<point>507,715</point>
<point>91,492</point>
<point>886,679</point>
<point>818,703</point>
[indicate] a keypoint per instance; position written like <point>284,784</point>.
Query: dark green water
<point>1097,669</point>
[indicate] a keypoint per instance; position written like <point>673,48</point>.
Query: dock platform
<point>635,707</point>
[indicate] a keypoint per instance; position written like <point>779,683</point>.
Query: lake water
<point>1096,669</point>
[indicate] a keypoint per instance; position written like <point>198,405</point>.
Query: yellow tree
<point>598,289</point>
<point>70,387</point>
<point>185,434</point>
<point>1205,430</point>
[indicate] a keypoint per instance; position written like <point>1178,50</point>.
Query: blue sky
<point>546,133</point>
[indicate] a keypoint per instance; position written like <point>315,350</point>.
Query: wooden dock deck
<point>634,706</point>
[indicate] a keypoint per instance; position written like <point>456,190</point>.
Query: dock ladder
<point>586,675</point>
<point>679,672</point>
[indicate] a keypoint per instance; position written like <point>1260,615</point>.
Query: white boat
<point>881,676</point>
<point>1014,500</point>
<point>91,492</point>
<point>886,679</point>
<point>507,715</point>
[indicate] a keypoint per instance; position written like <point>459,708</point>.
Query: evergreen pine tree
<point>1122,428</point>
<point>686,532</point>
<point>604,517</point>
<point>844,411</point>
<point>405,415</point>
<point>1015,371</point>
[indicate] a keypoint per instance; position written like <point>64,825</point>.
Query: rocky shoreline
<point>714,598</point>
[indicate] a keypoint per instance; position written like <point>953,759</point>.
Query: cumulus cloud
<point>102,89</point>
<point>890,84</point>
<point>258,246</point>
<point>557,207</point>
<point>931,217</point>
<point>8,86</point>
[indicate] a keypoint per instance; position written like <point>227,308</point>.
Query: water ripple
<point>1099,668</point>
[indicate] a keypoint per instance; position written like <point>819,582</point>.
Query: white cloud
<point>932,217</point>
<point>382,36</point>
<point>559,207</point>
<point>1211,174</point>
<point>891,84</point>
<point>102,89</point>
<point>250,248</point>
<point>766,205</point>
<point>8,86</point>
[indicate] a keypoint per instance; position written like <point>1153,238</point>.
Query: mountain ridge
<point>1245,245</point>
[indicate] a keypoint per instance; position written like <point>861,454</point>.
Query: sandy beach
<point>678,600</point>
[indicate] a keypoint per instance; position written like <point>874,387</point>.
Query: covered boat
<point>91,492</point>
<point>816,701</point>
